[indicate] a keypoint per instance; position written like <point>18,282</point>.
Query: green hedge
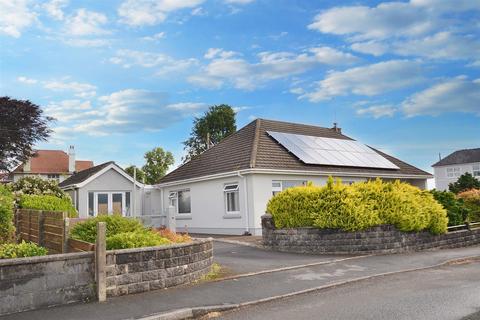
<point>457,210</point>
<point>37,186</point>
<point>358,206</point>
<point>47,202</point>
<point>136,239</point>
<point>23,249</point>
<point>7,229</point>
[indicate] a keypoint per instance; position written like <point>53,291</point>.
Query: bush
<point>465,182</point>
<point>136,239</point>
<point>472,202</point>
<point>38,186</point>
<point>457,211</point>
<point>173,236</point>
<point>358,206</point>
<point>47,202</point>
<point>23,249</point>
<point>87,230</point>
<point>7,229</point>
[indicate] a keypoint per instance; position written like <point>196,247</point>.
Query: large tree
<point>157,163</point>
<point>217,123</point>
<point>22,125</point>
<point>140,174</point>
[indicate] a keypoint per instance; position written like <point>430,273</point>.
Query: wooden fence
<point>49,229</point>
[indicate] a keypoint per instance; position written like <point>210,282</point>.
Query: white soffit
<point>329,151</point>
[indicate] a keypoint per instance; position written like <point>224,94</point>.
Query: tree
<point>157,163</point>
<point>140,173</point>
<point>465,182</point>
<point>217,123</point>
<point>22,124</point>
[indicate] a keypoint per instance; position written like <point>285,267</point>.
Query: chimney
<point>71,159</point>
<point>336,128</point>
<point>27,166</point>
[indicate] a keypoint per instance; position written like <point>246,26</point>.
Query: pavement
<point>446,293</point>
<point>238,290</point>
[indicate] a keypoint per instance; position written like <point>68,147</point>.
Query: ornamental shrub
<point>358,206</point>
<point>47,202</point>
<point>457,210</point>
<point>472,202</point>
<point>135,239</point>
<point>38,186</point>
<point>173,236</point>
<point>23,249</point>
<point>7,229</point>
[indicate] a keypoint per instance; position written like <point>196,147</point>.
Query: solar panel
<point>329,151</point>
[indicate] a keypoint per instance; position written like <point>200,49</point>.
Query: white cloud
<point>164,64</point>
<point>26,80</point>
<point>332,56</point>
<point>238,1</point>
<point>68,110</point>
<point>85,22</point>
<point>367,80</point>
<point>155,37</point>
<point>81,90</point>
<point>219,53</point>
<point>453,95</point>
<point>15,15</point>
<point>378,111</point>
<point>151,12</point>
<point>198,12</point>
<point>370,47</point>
<point>54,8</point>
<point>79,42</point>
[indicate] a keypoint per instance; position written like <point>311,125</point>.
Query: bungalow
<point>225,190</point>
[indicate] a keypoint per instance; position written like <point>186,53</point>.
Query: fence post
<point>41,228</point>
<point>100,261</point>
<point>66,230</point>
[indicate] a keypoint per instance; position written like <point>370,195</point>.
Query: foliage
<point>140,174</point>
<point>135,239</point>
<point>23,125</point>
<point>457,211</point>
<point>157,163</point>
<point>358,206</point>
<point>465,182</point>
<point>23,249</point>
<point>173,236</point>
<point>48,203</point>
<point>217,123</point>
<point>472,202</point>
<point>7,230</point>
<point>38,186</point>
<point>87,230</point>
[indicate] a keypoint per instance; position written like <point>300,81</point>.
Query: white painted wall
<point>441,178</point>
<point>18,176</point>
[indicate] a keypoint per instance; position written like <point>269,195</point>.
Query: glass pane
<point>102,201</point>
<point>90,204</point>
<point>292,183</point>
<point>127,203</point>
<point>117,203</point>
<point>184,201</point>
<point>233,204</point>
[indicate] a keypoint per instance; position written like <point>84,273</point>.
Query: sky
<point>122,77</point>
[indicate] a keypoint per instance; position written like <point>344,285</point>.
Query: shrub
<point>457,211</point>
<point>358,206</point>
<point>47,202</point>
<point>23,249</point>
<point>135,239</point>
<point>37,186</point>
<point>173,236</point>
<point>7,230</point>
<point>472,202</point>
<point>465,182</point>
<point>87,230</point>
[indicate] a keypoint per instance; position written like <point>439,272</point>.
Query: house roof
<point>83,175</point>
<point>459,157</point>
<point>52,161</point>
<point>251,147</point>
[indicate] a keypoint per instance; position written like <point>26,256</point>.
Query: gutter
<point>247,222</point>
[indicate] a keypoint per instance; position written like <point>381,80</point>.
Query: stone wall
<point>381,239</point>
<point>144,269</point>
<point>37,282</point>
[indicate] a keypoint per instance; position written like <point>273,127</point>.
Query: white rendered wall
<point>442,180</point>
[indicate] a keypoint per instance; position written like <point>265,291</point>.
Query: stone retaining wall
<point>381,239</point>
<point>144,269</point>
<point>37,282</point>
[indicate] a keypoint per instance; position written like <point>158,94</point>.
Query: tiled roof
<point>53,161</point>
<point>252,147</point>
<point>83,175</point>
<point>459,157</point>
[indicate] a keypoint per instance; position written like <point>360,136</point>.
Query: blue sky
<point>122,77</point>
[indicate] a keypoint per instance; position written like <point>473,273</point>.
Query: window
<point>453,172</point>
<point>232,199</point>
<point>53,177</point>
<point>279,186</point>
<point>476,170</point>
<point>181,201</point>
<point>91,211</point>
<point>105,202</point>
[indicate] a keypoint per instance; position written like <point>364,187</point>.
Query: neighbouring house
<point>450,168</point>
<point>225,190</point>
<point>50,164</point>
<point>108,189</point>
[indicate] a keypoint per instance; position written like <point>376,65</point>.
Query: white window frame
<point>453,172</point>
<point>279,188</point>
<point>476,170</point>
<point>231,188</point>
<point>173,195</point>
<point>109,201</point>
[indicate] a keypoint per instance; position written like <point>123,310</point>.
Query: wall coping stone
<point>157,248</point>
<point>47,258</point>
